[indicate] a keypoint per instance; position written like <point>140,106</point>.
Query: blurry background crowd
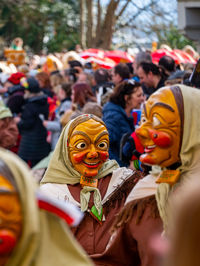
<point>43,92</point>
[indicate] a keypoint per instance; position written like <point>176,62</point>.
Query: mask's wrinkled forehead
<point>168,97</point>
<point>81,119</point>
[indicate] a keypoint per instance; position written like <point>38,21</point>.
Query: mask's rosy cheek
<point>78,157</point>
<point>161,139</point>
<point>104,155</point>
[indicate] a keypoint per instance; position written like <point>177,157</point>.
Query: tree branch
<point>140,10</point>
<point>122,9</point>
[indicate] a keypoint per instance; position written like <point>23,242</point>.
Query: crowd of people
<point>119,144</point>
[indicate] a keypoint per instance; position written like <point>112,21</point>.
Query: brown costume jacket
<point>130,245</point>
<point>92,235</point>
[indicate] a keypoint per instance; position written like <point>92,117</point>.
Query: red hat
<point>15,78</point>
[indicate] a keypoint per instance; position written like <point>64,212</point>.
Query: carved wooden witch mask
<point>161,128</point>
<point>88,145</point>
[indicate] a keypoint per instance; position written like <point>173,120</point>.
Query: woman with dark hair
<point>81,94</point>
<point>117,114</point>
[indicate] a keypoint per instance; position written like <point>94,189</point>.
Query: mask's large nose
<point>92,154</point>
<point>142,133</point>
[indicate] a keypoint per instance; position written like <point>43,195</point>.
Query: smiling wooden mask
<point>160,129</point>
<point>88,149</point>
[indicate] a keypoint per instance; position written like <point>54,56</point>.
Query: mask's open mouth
<point>91,165</point>
<point>149,149</point>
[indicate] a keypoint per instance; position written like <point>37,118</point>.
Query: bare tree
<point>101,22</point>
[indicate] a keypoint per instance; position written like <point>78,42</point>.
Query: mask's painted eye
<point>143,120</point>
<point>156,121</point>
<point>81,145</point>
<point>103,145</point>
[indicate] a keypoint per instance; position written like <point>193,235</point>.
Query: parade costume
<point>31,236</point>
<point>81,173</point>
<point>170,134</point>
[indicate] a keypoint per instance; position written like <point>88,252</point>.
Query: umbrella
<point>119,56</point>
<point>162,52</point>
<point>92,53</point>
<point>101,62</point>
<point>184,57</point>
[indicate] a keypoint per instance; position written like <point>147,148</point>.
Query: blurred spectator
<point>33,145</point>
<point>23,69</point>
<point>117,114</point>
<point>78,48</point>
<point>85,78</point>
<point>75,63</point>
<point>150,76</point>
<point>119,73</point>
<point>56,79</point>
<point>3,78</point>
<point>81,94</point>
<point>103,87</point>
<point>131,70</point>
<point>167,65</point>
<point>88,68</point>
<point>13,79</point>
<point>64,96</point>
<point>17,44</point>
<point>15,92</point>
<point>76,69</point>
<point>44,82</point>
<point>70,75</point>
<point>139,58</point>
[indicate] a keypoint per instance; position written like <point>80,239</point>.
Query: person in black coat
<point>33,145</point>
